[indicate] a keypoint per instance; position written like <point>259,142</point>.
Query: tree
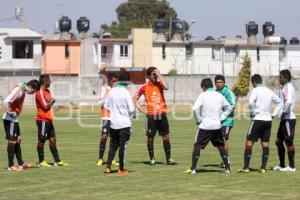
<point>241,85</point>
<point>139,14</point>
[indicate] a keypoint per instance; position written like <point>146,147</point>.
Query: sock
<point>264,158</point>
<point>247,157</point>
<point>10,153</point>
<point>150,147</point>
<point>291,156</point>
<point>18,153</point>
<point>40,150</point>
<point>224,156</point>
<point>195,156</point>
<point>281,153</point>
<point>167,148</point>
<point>53,149</point>
<point>102,147</point>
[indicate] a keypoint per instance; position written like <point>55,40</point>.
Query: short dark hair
<point>43,78</point>
<point>111,75</point>
<point>34,84</point>
<point>206,83</point>
<point>256,78</point>
<point>150,70</point>
<point>219,77</point>
<point>124,76</point>
<point>286,74</point>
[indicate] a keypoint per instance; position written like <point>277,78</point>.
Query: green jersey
<point>230,97</point>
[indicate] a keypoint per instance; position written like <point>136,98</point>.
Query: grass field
<point>84,180</point>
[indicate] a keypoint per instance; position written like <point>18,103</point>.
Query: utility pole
<point>20,14</point>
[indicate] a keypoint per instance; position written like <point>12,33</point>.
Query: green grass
<point>84,180</point>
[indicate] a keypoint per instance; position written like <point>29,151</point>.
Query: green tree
<point>242,83</point>
<point>139,14</point>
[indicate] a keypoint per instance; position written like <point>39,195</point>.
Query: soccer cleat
<point>262,171</point>
<point>60,164</point>
<point>25,166</point>
<point>287,169</point>
<point>44,164</point>
<point>277,168</point>
<point>100,162</point>
<point>14,169</point>
<point>227,171</point>
<point>106,171</point>
<point>171,162</point>
<point>122,172</point>
<point>115,163</point>
<point>152,162</point>
<point>190,171</point>
<point>244,170</point>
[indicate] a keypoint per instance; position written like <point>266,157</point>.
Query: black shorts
<point>286,130</point>
<point>157,123</point>
<point>204,136</point>
<point>226,131</point>
<point>45,130</point>
<point>259,129</point>
<point>119,137</point>
<point>105,126</point>
<point>12,130</point>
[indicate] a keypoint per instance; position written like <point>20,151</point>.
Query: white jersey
<point>212,108</point>
<point>260,103</point>
<point>287,95</point>
<point>120,105</point>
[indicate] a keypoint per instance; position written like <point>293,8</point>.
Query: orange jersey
<point>154,97</point>
<point>103,93</point>
<point>42,98</point>
<point>16,99</point>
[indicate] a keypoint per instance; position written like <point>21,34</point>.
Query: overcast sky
<point>213,17</point>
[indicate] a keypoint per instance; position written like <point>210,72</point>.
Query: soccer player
<point>210,109</point>
<point>13,104</point>
<point>260,104</point>
<point>286,130</point>
<point>156,117</point>
<point>227,124</point>
<point>44,117</point>
<point>121,108</point>
<point>103,93</point>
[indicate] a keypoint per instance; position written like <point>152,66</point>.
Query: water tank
<point>209,38</point>
<point>238,36</point>
<point>83,24</point>
<point>283,41</point>
<point>160,25</point>
<point>294,41</point>
<point>178,26</point>
<point>95,35</point>
<point>273,40</point>
<point>268,29</point>
<point>107,35</point>
<point>251,28</point>
<point>65,24</point>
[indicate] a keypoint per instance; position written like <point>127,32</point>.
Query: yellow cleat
<point>189,171</point>
<point>262,171</point>
<point>44,164</point>
<point>115,163</point>
<point>100,162</point>
<point>244,170</point>
<point>61,164</point>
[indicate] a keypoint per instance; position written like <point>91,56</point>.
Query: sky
<point>213,17</point>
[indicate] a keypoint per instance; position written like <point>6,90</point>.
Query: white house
<point>20,49</point>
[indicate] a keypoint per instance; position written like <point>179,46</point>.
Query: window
<point>282,54</point>
<point>230,54</point>
<point>22,49</point>
<point>163,51</point>
<point>103,51</point>
<point>124,50</point>
<point>67,51</point>
<point>0,52</point>
<point>257,54</point>
<point>216,53</point>
<point>188,51</point>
